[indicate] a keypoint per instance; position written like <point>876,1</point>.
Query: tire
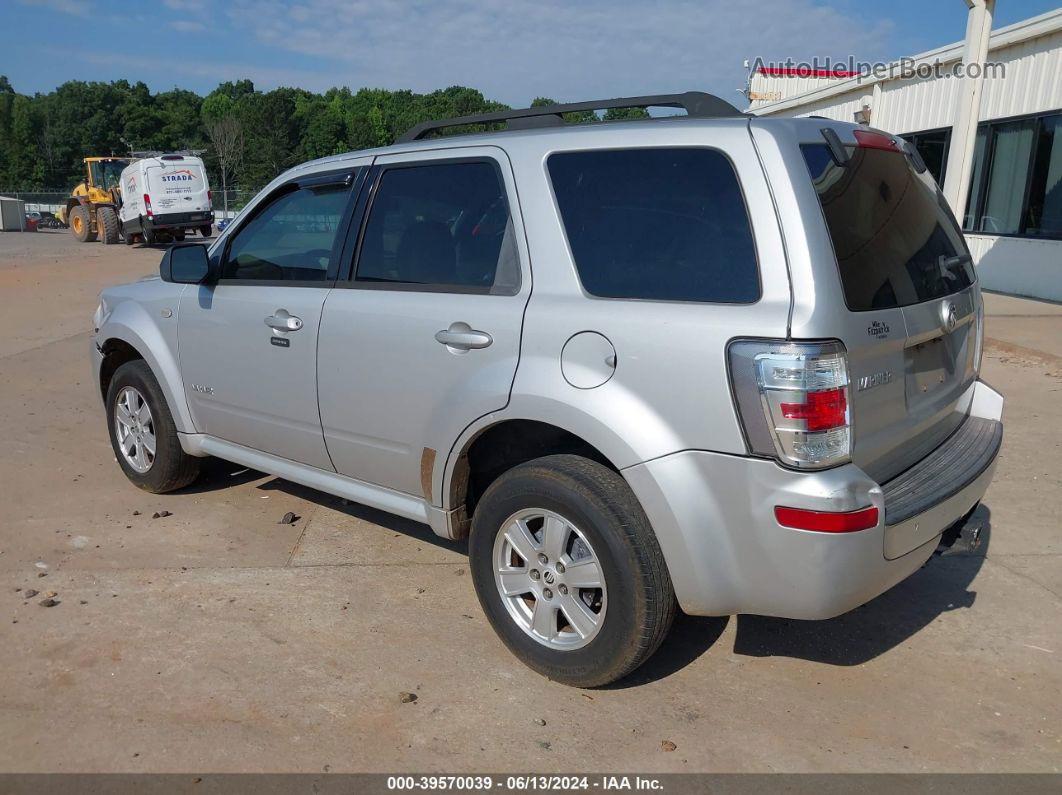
<point>206,231</point>
<point>107,223</point>
<point>624,622</point>
<point>170,468</point>
<point>81,225</point>
<point>178,235</point>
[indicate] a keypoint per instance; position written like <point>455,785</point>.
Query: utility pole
<point>968,105</point>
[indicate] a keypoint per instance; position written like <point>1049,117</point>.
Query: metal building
<point>1012,199</point>
<point>12,215</point>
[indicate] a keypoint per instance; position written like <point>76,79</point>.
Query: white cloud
<point>150,70</point>
<point>187,25</point>
<point>195,6</point>
<point>515,50</point>
<point>72,7</point>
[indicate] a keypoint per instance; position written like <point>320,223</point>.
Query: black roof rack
<point>697,105</point>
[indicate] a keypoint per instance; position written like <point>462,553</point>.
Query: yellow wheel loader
<point>92,209</point>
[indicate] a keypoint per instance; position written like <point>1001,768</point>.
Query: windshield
<point>107,174</point>
<point>896,241</point>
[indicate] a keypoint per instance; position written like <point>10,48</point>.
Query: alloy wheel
<point>549,579</point>
<point>134,429</point>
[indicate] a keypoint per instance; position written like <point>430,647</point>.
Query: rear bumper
<point>714,517</point>
<point>180,220</point>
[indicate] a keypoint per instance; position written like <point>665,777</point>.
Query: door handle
<point>463,337</point>
<point>282,321</point>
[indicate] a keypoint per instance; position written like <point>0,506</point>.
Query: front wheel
<point>569,572</point>
<point>142,432</point>
<point>81,225</point>
<point>107,223</point>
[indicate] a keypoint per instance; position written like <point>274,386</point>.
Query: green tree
<point>577,117</point>
<point>248,136</point>
<point>621,114</point>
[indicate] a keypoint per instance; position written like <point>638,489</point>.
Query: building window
<point>1043,216</point>
<point>1016,184</point>
<point>933,145</point>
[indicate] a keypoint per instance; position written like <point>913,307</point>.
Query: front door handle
<point>463,337</point>
<point>282,321</point>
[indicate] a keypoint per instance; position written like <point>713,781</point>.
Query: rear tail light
<point>210,198</point>
<point>793,400</point>
<point>147,205</point>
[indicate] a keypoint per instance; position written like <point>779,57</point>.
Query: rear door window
<point>892,231</point>
<point>440,226</point>
<point>658,224</point>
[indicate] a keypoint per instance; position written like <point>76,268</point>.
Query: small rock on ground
<point>667,745</point>
<point>406,697</point>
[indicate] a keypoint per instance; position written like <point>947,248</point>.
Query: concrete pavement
<point>216,639</point>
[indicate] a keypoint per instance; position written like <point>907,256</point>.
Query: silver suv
<point>710,361</point>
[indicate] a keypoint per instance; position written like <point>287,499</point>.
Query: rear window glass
<point>659,224</point>
<point>892,231</point>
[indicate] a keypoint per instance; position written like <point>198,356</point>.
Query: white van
<point>163,198</point>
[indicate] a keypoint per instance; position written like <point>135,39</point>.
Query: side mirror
<point>185,264</point>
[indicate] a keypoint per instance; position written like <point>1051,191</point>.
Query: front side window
<point>657,224</point>
<point>291,239</point>
<point>895,239</point>
<point>440,225</point>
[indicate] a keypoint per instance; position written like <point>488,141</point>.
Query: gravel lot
<point>216,639</point>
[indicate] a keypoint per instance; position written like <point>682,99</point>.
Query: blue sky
<point>510,49</point>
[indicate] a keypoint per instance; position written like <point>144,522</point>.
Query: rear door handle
<point>282,321</point>
<point>463,337</point>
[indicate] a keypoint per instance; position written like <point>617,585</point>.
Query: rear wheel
<point>569,571</point>
<point>142,432</point>
<point>81,225</point>
<point>205,231</point>
<point>107,223</point>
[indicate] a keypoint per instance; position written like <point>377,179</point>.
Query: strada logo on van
<point>184,175</point>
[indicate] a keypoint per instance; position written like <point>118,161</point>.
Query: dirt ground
<point>216,639</point>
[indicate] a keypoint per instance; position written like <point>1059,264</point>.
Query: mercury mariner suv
<point>710,362</point>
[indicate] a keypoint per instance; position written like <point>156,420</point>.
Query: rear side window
<point>892,231</point>
<point>657,224</point>
<point>444,226</point>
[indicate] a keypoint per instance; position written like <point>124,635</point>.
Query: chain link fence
<point>51,201</point>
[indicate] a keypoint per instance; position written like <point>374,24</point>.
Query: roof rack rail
<point>697,104</point>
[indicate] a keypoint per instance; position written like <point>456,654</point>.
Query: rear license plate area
<point>928,369</point>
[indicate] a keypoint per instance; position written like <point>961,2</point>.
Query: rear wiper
<point>837,149</point>
<point>946,263</point>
